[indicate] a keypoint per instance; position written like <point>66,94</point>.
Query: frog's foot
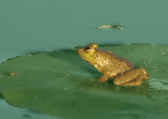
<point>145,74</point>
<point>103,78</point>
<point>131,78</point>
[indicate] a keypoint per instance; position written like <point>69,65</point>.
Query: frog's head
<point>88,53</point>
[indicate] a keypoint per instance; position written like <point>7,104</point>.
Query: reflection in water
<point>158,84</point>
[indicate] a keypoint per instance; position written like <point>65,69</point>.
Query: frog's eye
<point>87,49</point>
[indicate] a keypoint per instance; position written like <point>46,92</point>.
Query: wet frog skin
<point>111,65</point>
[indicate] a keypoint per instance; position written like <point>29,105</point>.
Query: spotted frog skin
<point>111,65</point>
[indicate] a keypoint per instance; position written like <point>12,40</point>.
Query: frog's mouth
<point>85,56</point>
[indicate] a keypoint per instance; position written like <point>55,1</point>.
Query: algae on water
<point>62,84</point>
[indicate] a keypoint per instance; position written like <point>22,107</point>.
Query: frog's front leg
<point>106,75</point>
<point>103,78</point>
<point>131,78</point>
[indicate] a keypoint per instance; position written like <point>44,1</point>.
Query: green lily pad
<point>61,84</point>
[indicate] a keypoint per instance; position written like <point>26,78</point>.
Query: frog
<point>110,65</point>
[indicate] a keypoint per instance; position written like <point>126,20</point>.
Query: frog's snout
<point>78,50</point>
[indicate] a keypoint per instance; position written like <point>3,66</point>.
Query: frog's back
<point>129,64</point>
<point>111,62</point>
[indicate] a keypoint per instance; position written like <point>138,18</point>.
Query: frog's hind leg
<point>131,78</point>
<point>136,82</point>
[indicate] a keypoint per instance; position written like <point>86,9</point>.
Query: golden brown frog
<point>112,65</point>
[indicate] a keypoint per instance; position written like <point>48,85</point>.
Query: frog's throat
<point>89,59</point>
<point>85,56</point>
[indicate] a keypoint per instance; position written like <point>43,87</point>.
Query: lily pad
<point>61,84</point>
